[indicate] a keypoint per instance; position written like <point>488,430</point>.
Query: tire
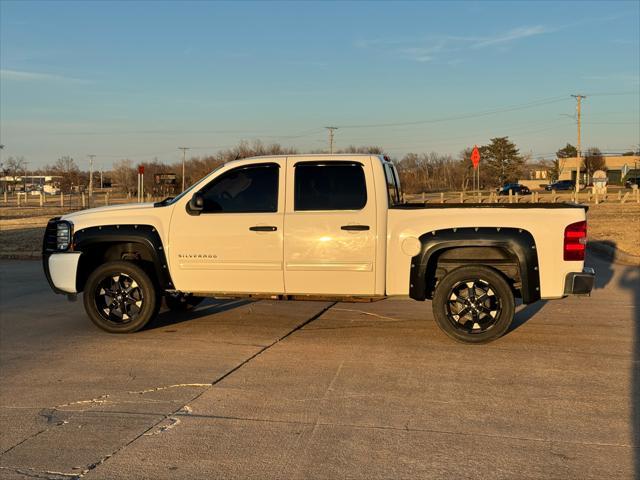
<point>181,302</point>
<point>482,296</point>
<point>119,297</point>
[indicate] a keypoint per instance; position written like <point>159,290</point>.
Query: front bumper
<point>580,283</point>
<point>61,270</point>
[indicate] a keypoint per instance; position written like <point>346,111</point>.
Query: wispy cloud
<point>429,49</point>
<point>511,35</point>
<point>22,76</point>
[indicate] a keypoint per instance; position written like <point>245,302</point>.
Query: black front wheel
<point>119,297</point>
<point>473,304</point>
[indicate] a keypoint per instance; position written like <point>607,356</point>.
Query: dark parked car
<point>632,181</point>
<point>561,185</point>
<point>514,188</point>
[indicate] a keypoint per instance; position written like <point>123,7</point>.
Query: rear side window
<point>329,186</point>
<point>392,186</point>
<point>243,190</point>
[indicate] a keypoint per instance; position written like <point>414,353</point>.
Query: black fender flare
<point>146,235</point>
<point>518,242</point>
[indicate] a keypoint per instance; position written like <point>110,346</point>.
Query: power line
<point>512,108</point>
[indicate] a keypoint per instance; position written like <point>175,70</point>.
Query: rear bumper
<point>580,283</point>
<point>61,271</point>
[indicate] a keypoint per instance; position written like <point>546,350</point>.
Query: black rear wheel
<point>473,304</point>
<point>119,297</point>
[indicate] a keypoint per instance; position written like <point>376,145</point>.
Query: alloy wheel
<point>473,306</point>
<point>119,298</point>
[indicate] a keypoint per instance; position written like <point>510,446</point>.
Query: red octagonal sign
<point>475,157</point>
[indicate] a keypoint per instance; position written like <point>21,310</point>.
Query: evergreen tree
<point>501,161</point>
<point>569,151</point>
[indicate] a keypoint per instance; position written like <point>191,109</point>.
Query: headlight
<point>63,235</point>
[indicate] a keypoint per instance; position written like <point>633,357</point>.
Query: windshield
<point>171,201</point>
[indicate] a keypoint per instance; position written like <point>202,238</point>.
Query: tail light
<point>575,241</point>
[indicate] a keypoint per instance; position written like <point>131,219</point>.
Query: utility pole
<point>184,153</point>
<point>331,132</point>
<point>578,148</point>
<point>24,177</point>
<point>91,157</point>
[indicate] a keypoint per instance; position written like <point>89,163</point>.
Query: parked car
<point>561,185</point>
<point>317,226</point>
<point>514,188</point>
<point>630,181</point>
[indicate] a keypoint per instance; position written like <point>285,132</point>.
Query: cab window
<point>247,189</point>
<point>329,186</point>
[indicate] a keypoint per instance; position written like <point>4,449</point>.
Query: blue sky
<point>137,80</point>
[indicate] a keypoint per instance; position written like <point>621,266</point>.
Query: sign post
<point>140,183</point>
<point>475,159</point>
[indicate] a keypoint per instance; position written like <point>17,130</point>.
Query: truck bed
<point>417,205</point>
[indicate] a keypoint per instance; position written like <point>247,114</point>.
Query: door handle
<point>356,228</point>
<point>263,228</point>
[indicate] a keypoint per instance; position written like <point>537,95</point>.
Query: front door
<point>235,244</point>
<point>330,228</point>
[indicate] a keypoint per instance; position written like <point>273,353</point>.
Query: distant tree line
<point>501,162</point>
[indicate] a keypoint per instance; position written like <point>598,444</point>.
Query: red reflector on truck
<point>575,241</point>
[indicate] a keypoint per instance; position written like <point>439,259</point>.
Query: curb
<point>20,256</point>
<point>607,252</point>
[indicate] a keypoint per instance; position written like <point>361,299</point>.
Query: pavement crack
<point>100,400</point>
<point>163,428</point>
<point>24,440</point>
<point>185,409</point>
<point>179,385</point>
<point>48,475</point>
<point>371,314</point>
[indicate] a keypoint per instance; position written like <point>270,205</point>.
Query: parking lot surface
<point>269,389</point>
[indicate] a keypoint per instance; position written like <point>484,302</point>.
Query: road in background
<point>319,390</point>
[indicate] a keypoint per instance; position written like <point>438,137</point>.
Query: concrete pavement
<point>319,390</point>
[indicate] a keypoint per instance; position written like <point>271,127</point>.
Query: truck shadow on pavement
<point>628,279</point>
<point>208,307</point>
<point>526,313</point>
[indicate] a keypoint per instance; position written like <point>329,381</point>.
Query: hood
<point>121,209</point>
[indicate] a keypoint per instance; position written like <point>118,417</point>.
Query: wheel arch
<point>139,243</point>
<point>485,245</point>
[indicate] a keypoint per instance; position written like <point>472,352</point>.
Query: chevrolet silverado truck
<point>317,227</point>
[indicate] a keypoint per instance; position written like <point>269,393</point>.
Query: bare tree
<point>14,167</point>
<point>124,176</point>
<point>593,160</point>
<point>67,168</point>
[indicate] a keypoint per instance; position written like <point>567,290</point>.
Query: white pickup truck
<point>317,227</point>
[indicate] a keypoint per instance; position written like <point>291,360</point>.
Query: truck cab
<point>316,226</point>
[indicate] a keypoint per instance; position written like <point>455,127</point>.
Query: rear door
<point>330,228</point>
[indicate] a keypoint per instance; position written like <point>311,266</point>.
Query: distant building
<point>28,183</point>
<point>617,168</point>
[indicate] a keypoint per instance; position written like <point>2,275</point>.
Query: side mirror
<point>196,204</point>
